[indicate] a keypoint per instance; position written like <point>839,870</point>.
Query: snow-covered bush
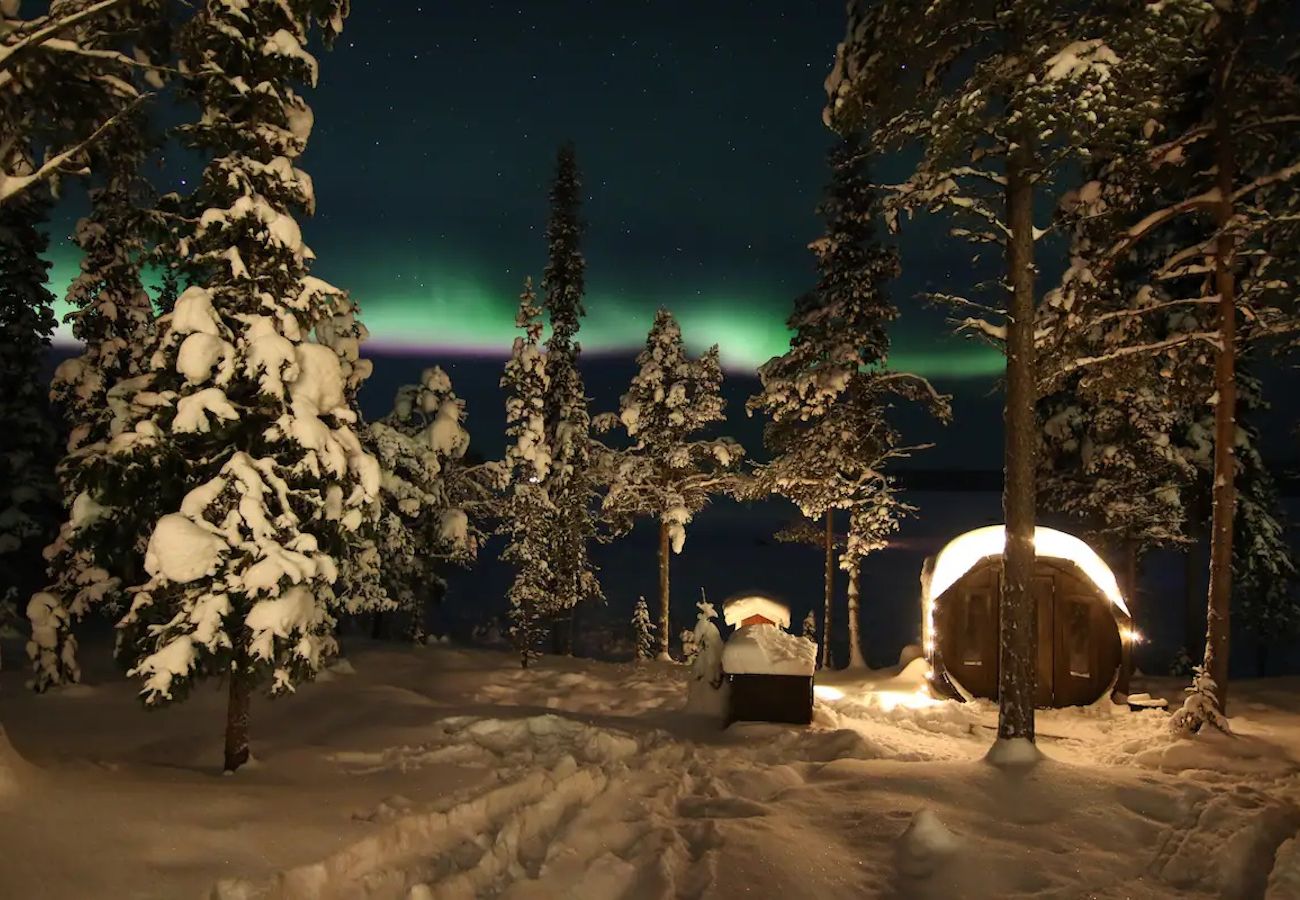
<point>706,694</point>
<point>1200,708</point>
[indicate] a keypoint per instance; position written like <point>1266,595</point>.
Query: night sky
<point>698,128</point>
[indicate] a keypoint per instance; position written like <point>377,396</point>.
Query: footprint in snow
<point>719,808</point>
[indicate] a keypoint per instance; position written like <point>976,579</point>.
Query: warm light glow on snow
<point>918,699</point>
<point>887,700</point>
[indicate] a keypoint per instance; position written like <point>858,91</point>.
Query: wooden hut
<point>1084,627</point>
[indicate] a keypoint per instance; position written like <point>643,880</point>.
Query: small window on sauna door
<point>1078,636</point>
<point>979,619</point>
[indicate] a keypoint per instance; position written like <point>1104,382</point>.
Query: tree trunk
<point>237,704</point>
<point>1018,638</point>
<point>1224,494</point>
<point>664,550</point>
<point>562,634</point>
<point>377,625</point>
<point>830,589</point>
<point>855,646</point>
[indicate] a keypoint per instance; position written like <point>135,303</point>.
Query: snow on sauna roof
<point>738,609</point>
<point>768,650</point>
<point>967,550</point>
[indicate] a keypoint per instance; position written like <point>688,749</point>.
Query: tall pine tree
<point>1001,101</point>
<point>570,483</point>
<point>243,428</point>
<point>828,397</point>
<point>669,472</point>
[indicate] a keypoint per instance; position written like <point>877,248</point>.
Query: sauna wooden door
<point>1086,646</point>
<point>968,632</point>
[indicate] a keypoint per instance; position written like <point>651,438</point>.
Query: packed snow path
<point>436,772</point>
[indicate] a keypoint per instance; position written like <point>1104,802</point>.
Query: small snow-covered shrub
<point>1201,707</point>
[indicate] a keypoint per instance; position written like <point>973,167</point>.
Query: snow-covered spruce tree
<point>527,514</point>
<point>669,471</point>
<point>810,626</point>
<point>28,442</point>
<point>64,81</point>
<point>67,78</point>
<point>422,528</point>
<point>244,415</point>
<point>643,630</point>
<point>828,397</point>
<point>1109,460</point>
<point>570,482</point>
<point>1264,571</point>
<point>1001,100</point>
<point>1266,583</point>
<point>113,319</point>
<point>1212,203</point>
<point>805,531</point>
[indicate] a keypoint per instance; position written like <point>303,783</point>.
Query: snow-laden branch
<point>1083,362</point>
<point>12,185</point>
<point>965,303</point>
<point>1155,307</point>
<point>996,333</point>
<point>1149,223</point>
<point>42,31</point>
<point>1207,200</point>
<point>1171,151</point>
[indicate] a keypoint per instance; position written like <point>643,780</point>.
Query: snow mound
<point>1013,752</point>
<point>14,770</point>
<point>738,609</point>
<point>1284,880</point>
<point>925,845</point>
<point>768,650</point>
<point>909,654</point>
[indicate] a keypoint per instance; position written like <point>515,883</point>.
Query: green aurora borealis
<point>464,314</point>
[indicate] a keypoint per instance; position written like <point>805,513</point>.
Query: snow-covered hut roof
<point>966,551</point>
<point>738,609</point>
<point>768,650</point>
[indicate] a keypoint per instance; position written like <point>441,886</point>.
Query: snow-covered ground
<point>443,772</point>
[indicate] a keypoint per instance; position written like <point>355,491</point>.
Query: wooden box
<point>770,698</point>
